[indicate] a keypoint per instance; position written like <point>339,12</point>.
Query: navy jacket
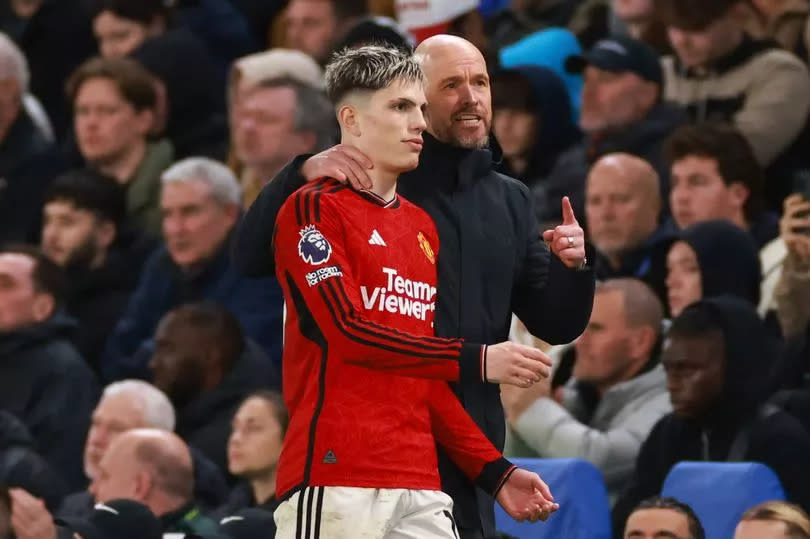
<point>257,303</point>
<point>492,262</point>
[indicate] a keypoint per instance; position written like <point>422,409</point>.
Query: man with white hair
<point>28,159</point>
<point>200,202</point>
<point>124,406</point>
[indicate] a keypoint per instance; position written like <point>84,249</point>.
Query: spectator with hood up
<point>533,125</point>
<point>203,362</point>
<point>192,93</point>
<point>711,259</point>
<point>713,357</point>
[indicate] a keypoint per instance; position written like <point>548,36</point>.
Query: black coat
<point>241,497</point>
<point>777,440</point>
<point>55,40</point>
<point>648,262</point>
<point>28,163</point>
<point>21,466</point>
<point>644,139</point>
<point>98,296</point>
<point>47,384</point>
<point>205,423</point>
<point>492,263</point>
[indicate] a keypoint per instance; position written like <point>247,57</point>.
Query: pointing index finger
<point>568,212</point>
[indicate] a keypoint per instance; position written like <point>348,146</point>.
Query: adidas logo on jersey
<point>376,239</point>
<point>330,457</point>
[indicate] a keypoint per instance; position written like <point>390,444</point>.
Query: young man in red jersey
<point>364,377</point>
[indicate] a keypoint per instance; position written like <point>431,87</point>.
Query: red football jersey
<point>363,376</point>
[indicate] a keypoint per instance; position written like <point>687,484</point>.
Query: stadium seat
<point>720,492</point>
<point>578,487</point>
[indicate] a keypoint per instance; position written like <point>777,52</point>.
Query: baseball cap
<point>116,519</point>
<point>620,54</point>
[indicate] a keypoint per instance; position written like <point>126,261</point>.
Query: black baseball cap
<point>620,54</point>
<point>116,519</point>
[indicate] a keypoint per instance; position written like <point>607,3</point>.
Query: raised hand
<point>526,497</point>
<point>516,364</point>
<point>567,240</point>
<point>341,162</point>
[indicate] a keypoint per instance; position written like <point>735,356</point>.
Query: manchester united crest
<point>426,248</point>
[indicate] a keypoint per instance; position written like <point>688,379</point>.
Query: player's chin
<point>407,162</point>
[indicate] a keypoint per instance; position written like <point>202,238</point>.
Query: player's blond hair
<point>795,519</point>
<point>370,68</point>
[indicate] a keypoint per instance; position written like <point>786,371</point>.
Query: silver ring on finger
<point>570,241</point>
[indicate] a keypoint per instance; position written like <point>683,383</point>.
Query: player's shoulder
<point>407,206</point>
<point>418,217</point>
<point>309,201</point>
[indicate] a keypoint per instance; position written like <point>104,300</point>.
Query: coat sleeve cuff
<point>472,363</point>
<point>494,475</point>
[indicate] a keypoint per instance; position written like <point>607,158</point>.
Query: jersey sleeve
<point>312,263</point>
<point>464,443</point>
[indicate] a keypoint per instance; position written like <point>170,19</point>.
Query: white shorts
<point>366,513</point>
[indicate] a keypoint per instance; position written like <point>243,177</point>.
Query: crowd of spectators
<point>140,370</point>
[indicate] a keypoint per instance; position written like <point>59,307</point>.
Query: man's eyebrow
<point>453,78</point>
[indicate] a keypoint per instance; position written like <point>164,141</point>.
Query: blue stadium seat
<point>720,492</point>
<point>578,487</point>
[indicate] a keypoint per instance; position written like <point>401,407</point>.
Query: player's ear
<point>349,119</point>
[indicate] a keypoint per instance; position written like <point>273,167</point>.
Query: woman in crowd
<point>254,447</point>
